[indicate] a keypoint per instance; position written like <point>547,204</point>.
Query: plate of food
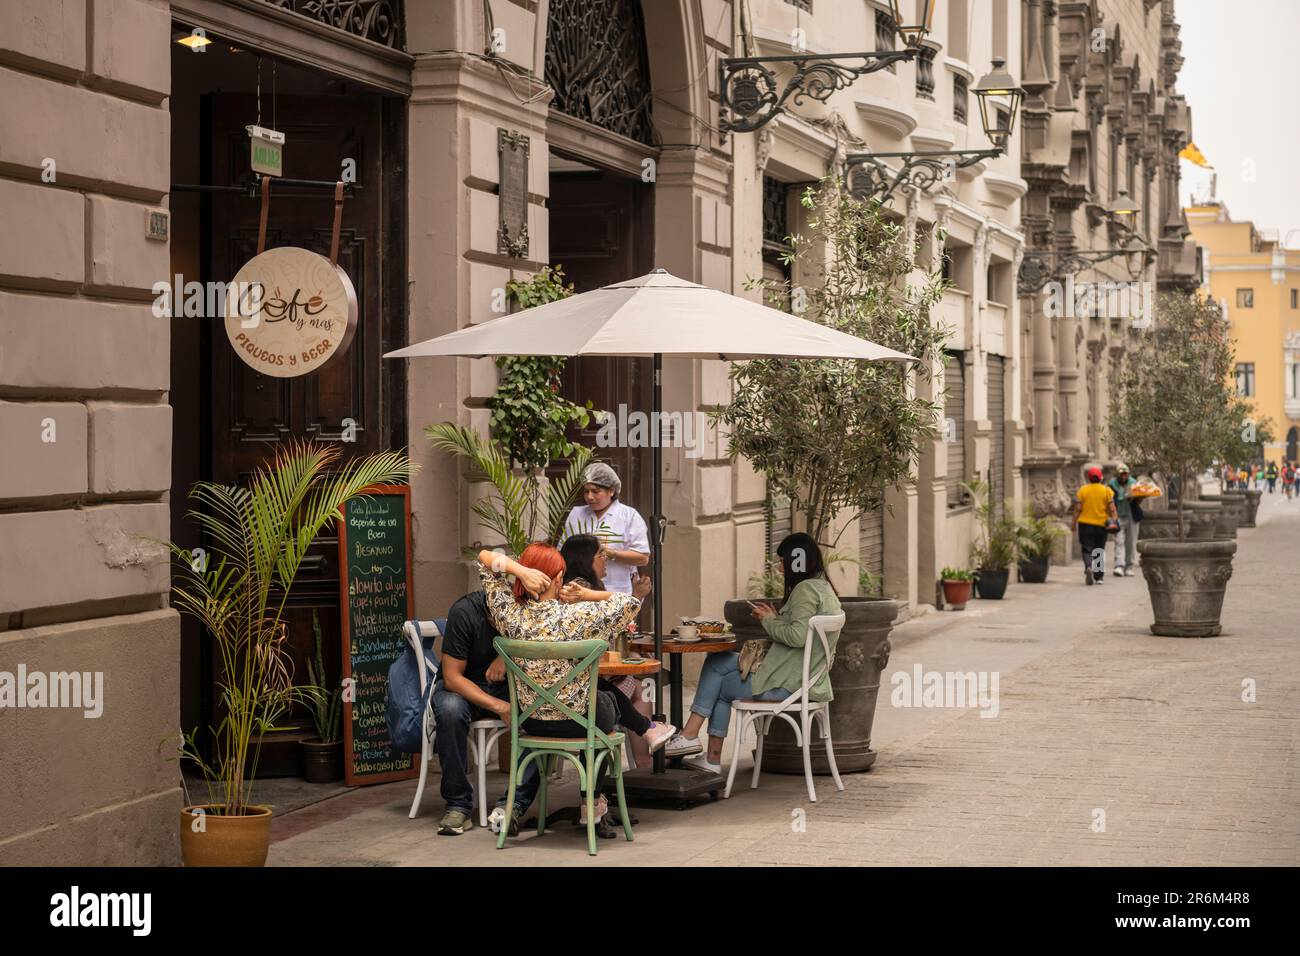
<point>707,627</point>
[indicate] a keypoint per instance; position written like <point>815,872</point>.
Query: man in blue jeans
<point>471,686</point>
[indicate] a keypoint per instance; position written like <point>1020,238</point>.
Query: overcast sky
<point>1239,79</point>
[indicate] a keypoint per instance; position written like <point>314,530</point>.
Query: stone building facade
<point>1102,114</point>
<point>922,105</point>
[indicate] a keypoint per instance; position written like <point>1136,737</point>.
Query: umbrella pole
<point>658,523</point>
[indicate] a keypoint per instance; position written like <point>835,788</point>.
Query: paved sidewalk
<point>1110,746</point>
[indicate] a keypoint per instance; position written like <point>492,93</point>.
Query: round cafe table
<point>642,668</point>
<point>707,644</point>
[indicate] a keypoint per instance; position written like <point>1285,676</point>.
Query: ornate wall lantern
<point>999,97</point>
<point>913,33</point>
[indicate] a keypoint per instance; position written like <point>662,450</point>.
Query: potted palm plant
<point>1173,408</point>
<point>1036,539</point>
<point>832,436</point>
<point>993,555</point>
<point>321,757</point>
<point>957,584</point>
<point>256,538</point>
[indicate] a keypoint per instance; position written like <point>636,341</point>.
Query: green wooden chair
<point>595,748</point>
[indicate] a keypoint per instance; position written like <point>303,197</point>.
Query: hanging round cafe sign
<point>290,311</point>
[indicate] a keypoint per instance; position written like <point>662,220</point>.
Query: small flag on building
<point>1190,152</point>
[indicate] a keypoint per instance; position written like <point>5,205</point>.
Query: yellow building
<point>1258,284</point>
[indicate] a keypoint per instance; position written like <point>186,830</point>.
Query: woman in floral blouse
<point>535,610</point>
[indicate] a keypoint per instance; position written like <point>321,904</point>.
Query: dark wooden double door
<point>601,232</point>
<point>356,402</point>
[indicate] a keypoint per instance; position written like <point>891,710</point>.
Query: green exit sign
<point>267,156</point>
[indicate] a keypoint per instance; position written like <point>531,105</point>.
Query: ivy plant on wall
<point>529,416</point>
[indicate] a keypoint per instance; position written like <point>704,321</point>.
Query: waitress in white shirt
<point>621,529</point>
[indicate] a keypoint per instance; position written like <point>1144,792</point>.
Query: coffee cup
<point>688,632</point>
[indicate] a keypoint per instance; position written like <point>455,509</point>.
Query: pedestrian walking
<point>1270,475</point>
<point>1094,514</point>
<point>1288,479</point>
<point>1121,487</point>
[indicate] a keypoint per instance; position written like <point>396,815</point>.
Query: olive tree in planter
<point>256,538</point>
<point>1173,408</point>
<point>833,435</point>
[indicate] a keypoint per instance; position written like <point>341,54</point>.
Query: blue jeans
<point>720,684</point>
<point>452,714</point>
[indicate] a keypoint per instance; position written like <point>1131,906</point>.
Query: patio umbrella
<point>654,315</point>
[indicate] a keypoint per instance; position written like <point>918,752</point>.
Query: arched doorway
<point>601,206</point>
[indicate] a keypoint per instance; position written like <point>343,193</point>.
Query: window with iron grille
<point>805,5</point>
<point>886,30</point>
<point>1246,379</point>
<point>1294,297</point>
<point>925,73</point>
<point>1245,298</point>
<point>959,98</point>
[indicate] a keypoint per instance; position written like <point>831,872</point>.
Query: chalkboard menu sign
<point>376,599</point>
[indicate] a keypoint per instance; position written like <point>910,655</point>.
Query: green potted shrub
<point>321,757</point>
<point>1173,407</point>
<point>1036,539</point>
<point>995,552</point>
<point>833,436</point>
<point>256,536</point>
<point>957,583</point>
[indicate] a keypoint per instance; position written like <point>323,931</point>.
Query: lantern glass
<point>912,31</point>
<point>1122,207</point>
<point>999,98</point>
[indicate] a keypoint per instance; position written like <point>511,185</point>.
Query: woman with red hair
<point>531,610</point>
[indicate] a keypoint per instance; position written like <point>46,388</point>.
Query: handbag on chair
<point>752,654</point>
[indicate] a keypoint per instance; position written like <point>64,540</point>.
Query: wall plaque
<point>512,234</point>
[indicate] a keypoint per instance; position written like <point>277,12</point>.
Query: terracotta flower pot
<point>1187,581</point>
<point>957,593</point>
<point>209,839</point>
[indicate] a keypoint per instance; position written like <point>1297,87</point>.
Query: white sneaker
<point>702,762</point>
<point>1128,572</point>
<point>681,746</point>
<point>1118,572</point>
<point>497,819</point>
<point>659,734</point>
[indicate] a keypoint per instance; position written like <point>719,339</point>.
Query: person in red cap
<point>1094,505</point>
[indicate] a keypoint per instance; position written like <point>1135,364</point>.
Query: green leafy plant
<point>257,537</point>
<point>833,435</point>
<point>997,548</point>
<point>326,705</point>
<point>956,574</point>
<point>1173,407</point>
<point>519,511</point>
<point>871,585</point>
<point>1245,434</point>
<point>1036,536</point>
<point>529,416</point>
<point>768,583</point>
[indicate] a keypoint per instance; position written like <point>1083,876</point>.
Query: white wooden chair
<point>760,713</point>
<point>483,734</point>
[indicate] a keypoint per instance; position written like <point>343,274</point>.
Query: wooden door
<point>252,414</point>
<point>601,233</point>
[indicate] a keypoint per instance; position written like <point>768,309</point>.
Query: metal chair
<point>483,734</point>
<point>760,713</point>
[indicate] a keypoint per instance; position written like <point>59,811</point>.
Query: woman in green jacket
<point>807,594</point>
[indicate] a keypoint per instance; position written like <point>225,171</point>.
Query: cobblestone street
<point>1110,746</point>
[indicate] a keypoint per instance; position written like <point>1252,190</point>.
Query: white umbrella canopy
<point>656,313</point>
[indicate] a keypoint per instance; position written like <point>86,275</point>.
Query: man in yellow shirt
<point>1093,506</point>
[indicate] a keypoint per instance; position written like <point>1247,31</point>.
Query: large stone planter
<point>861,654</point>
<point>1252,507</point>
<point>1232,515</point>
<point>1201,522</point>
<point>1186,581</point>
